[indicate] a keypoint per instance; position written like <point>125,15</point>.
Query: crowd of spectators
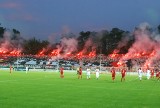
<point>72,62</point>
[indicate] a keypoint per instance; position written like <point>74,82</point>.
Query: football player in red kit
<point>80,73</point>
<point>123,72</point>
<point>152,73</point>
<point>158,75</point>
<point>61,72</point>
<point>10,69</point>
<point>113,73</point>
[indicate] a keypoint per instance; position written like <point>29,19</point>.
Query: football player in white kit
<point>140,73</point>
<point>148,74</point>
<point>26,69</point>
<point>88,71</point>
<point>97,73</point>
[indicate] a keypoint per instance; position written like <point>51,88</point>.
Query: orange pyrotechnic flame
<point>2,51</point>
<point>79,54</point>
<point>68,53</point>
<point>10,53</point>
<point>92,54</point>
<point>153,53</point>
<point>41,53</point>
<point>116,55</point>
<point>120,63</point>
<point>55,52</point>
<point>15,52</point>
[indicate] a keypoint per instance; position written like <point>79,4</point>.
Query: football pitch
<point>48,90</point>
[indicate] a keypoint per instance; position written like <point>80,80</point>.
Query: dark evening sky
<point>48,19</point>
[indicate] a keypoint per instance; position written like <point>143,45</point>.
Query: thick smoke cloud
<point>88,46</point>
<point>146,42</point>
<point>8,45</point>
<point>68,45</point>
<point>93,43</point>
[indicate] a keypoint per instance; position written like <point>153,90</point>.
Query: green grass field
<point>47,90</point>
